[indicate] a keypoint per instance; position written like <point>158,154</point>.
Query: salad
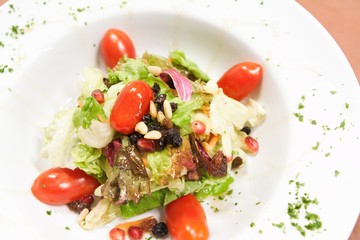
<point>152,131</point>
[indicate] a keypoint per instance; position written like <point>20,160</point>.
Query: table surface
<point>342,20</point>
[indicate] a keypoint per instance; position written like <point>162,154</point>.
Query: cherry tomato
<point>241,79</point>
<point>186,219</point>
<point>114,44</point>
<point>132,103</point>
<point>58,186</point>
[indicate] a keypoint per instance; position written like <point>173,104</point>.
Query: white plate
<point>302,66</point>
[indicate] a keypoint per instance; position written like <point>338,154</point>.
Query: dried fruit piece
<point>160,230</point>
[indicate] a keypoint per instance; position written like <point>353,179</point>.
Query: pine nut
<point>97,191</point>
<point>153,134</point>
<point>167,109</point>
<point>160,117</point>
<point>153,111</point>
<point>83,215</point>
<point>141,128</point>
<point>155,70</point>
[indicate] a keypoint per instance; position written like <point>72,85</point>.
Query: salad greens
<point>136,181</point>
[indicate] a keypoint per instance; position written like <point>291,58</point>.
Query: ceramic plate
<point>307,162</point>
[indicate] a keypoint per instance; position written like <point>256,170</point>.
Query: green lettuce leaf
<point>131,69</point>
<point>146,203</point>
<point>164,88</point>
<point>88,159</point>
<point>90,110</point>
<point>160,164</point>
<point>180,61</point>
<point>59,139</point>
<point>93,79</point>
<point>212,186</point>
<point>184,113</point>
<point>156,60</point>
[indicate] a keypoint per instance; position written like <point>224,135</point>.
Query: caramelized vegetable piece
<point>216,166</point>
<point>128,180</point>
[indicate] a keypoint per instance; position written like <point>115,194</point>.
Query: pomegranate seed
<point>135,233</point>
<point>251,144</point>
<point>117,234</point>
<point>88,199</point>
<point>98,95</point>
<point>146,145</point>
<point>198,127</point>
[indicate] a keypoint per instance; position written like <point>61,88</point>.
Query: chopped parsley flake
<point>279,225</point>
<point>16,30</point>
<point>347,105</point>
<point>342,125</point>
<point>337,172</point>
<point>333,92</point>
<point>12,8</point>
<point>73,12</point>
<point>313,122</point>
<point>301,218</point>
<point>67,228</point>
<point>325,128</point>
<point>215,209</point>
<point>301,106</point>
<point>299,228</point>
<point>49,212</point>
<point>299,116</point>
<point>314,221</point>
<point>252,224</point>
<point>2,44</point>
<point>316,147</point>
<point>327,154</point>
<point>4,68</point>
<point>123,3</point>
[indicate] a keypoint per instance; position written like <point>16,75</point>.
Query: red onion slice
<point>182,85</point>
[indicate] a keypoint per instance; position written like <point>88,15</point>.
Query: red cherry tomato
<point>186,219</point>
<point>58,186</point>
<point>241,79</point>
<point>114,44</point>
<point>132,103</point>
